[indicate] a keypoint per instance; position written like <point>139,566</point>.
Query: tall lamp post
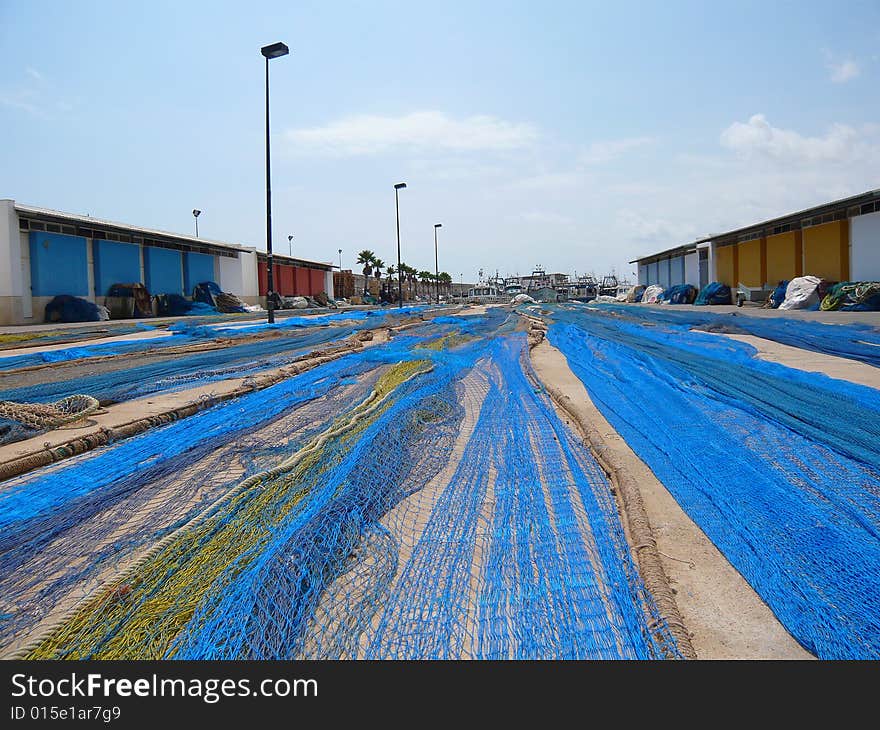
<point>340,260</point>
<point>397,188</point>
<point>290,246</point>
<point>436,266</point>
<point>196,214</point>
<point>276,50</point>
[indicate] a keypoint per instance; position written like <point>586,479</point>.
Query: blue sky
<point>573,135</point>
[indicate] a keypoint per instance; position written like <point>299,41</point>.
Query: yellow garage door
<point>784,254</point>
<point>725,265</point>
<point>826,251</point>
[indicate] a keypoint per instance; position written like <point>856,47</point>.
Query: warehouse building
<point>44,253</point>
<point>838,241</point>
<point>294,276</point>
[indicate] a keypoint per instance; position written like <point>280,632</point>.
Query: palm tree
<point>403,274</point>
<point>425,277</point>
<point>378,265</point>
<point>409,273</point>
<point>367,258</point>
<point>445,280</point>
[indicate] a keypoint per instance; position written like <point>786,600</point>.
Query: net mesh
<point>854,341</point>
<point>417,499</point>
<point>158,369</point>
<point>778,467</point>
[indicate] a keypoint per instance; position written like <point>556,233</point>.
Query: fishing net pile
<point>780,468</point>
<point>418,499</point>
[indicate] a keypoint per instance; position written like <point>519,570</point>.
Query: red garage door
<point>302,281</point>
<point>285,281</point>
<point>317,281</point>
<point>261,278</point>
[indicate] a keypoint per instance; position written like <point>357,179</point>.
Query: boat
<point>584,289</point>
<point>609,287</point>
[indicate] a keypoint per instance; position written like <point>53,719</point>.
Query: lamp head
<point>275,50</point>
<point>196,212</point>
<point>438,225</point>
<point>400,186</point>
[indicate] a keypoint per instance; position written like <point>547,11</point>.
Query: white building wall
<point>229,274</point>
<point>328,284</point>
<point>692,269</point>
<point>239,275</point>
<point>643,274</point>
<point>250,286</point>
<point>865,247</point>
<point>11,282</point>
<point>713,275</point>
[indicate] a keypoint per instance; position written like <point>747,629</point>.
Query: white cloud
<point>33,73</point>
<point>656,230</point>
<point>548,181</point>
<point>22,101</point>
<point>545,218</point>
<point>583,170</point>
<point>605,151</point>
<point>422,131</point>
<point>841,70</point>
<point>758,138</point>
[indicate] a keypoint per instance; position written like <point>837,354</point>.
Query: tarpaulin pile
<point>714,293</point>
<point>679,294</point>
<point>802,292</point>
<point>652,294</point>
<point>67,308</point>
<point>208,292</point>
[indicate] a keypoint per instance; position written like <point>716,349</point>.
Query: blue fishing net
<point>780,468</point>
<point>850,340</point>
<point>463,519</point>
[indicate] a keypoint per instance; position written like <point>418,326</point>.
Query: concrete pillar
<point>328,284</point>
<point>11,283</point>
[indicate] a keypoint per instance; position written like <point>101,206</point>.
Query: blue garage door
<point>163,271</point>
<point>115,263</point>
<point>59,264</point>
<point>197,267</point>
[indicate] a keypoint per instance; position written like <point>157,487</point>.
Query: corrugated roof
<point>676,250</point>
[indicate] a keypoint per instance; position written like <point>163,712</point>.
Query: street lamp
<point>196,214</point>
<point>290,246</point>
<point>276,50</point>
<point>340,260</point>
<point>436,266</point>
<point>461,285</point>
<point>397,187</point>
